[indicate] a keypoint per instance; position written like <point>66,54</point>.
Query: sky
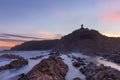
<point>25,20</point>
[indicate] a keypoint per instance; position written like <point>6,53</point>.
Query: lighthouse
<point>82,26</point>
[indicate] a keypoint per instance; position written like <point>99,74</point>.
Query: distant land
<point>88,41</point>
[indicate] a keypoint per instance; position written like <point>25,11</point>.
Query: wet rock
<point>77,78</point>
<point>15,64</point>
<point>114,58</point>
<point>10,56</point>
<point>80,59</point>
<point>94,72</point>
<point>55,53</point>
<point>18,63</point>
<point>76,64</point>
<point>21,76</point>
<point>68,56</point>
<point>52,68</point>
<point>73,57</point>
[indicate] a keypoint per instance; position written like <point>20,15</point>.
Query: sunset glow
<point>27,20</point>
<point>112,34</point>
<point>8,44</point>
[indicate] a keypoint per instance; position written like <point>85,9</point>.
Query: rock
<point>36,45</point>
<point>55,53</point>
<point>18,63</point>
<point>21,76</point>
<point>77,78</point>
<point>52,68</point>
<point>37,57</point>
<point>76,64</point>
<point>68,56</point>
<point>15,64</point>
<point>94,72</point>
<point>78,61</point>
<point>10,56</point>
<point>114,57</point>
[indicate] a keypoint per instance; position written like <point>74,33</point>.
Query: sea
<point>14,74</point>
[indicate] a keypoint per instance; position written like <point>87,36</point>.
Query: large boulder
<point>94,72</point>
<point>10,56</point>
<point>15,64</point>
<point>52,68</point>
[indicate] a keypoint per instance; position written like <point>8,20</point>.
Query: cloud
<point>3,36</point>
<point>19,36</point>
<point>11,40</point>
<point>42,35</point>
<point>4,48</point>
<point>7,43</point>
<point>49,35</point>
<point>110,17</point>
<point>112,34</point>
<point>109,5</point>
<point>110,11</point>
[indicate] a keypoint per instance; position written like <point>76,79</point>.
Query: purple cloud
<point>19,36</point>
<point>11,40</point>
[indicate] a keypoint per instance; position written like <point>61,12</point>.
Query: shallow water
<point>13,73</point>
<point>73,72</point>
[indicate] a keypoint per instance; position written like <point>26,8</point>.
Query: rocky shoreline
<point>94,72</point>
<point>52,68</point>
<point>55,68</point>
<point>17,62</point>
<point>88,41</point>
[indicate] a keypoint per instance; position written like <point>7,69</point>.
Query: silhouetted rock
<point>83,39</point>
<point>114,57</point>
<point>94,72</point>
<point>36,45</point>
<point>14,64</point>
<point>52,68</point>
<point>22,76</point>
<point>10,56</point>
<point>87,41</point>
<point>78,64</point>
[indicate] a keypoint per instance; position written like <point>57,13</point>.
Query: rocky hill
<point>78,39</point>
<point>36,45</point>
<point>87,41</point>
<point>82,38</point>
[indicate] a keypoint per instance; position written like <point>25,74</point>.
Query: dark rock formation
<point>15,64</point>
<point>77,61</point>
<point>10,56</point>
<point>89,42</point>
<point>113,57</point>
<point>82,39</point>
<point>52,68</point>
<point>77,78</point>
<point>22,76</point>
<point>55,53</point>
<point>36,45</point>
<point>94,72</point>
<point>77,64</point>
